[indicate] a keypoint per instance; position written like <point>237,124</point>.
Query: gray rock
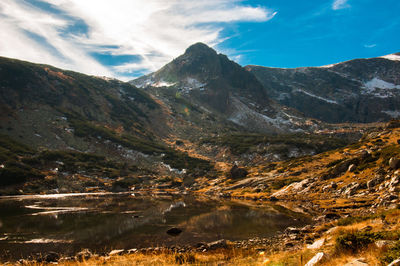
<point>116,252</point>
<point>217,244</point>
<point>316,259</point>
<point>384,243</point>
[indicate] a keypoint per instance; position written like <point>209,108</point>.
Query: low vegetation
<point>282,143</point>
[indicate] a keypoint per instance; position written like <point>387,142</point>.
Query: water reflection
<point>105,221</point>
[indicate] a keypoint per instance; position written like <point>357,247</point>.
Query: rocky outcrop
<point>316,259</point>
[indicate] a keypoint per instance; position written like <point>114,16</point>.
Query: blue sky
<point>128,38</point>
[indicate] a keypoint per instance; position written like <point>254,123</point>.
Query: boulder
<point>316,259</point>
<point>394,163</point>
<point>237,172</point>
<point>384,243</point>
<point>317,244</point>
<point>116,252</point>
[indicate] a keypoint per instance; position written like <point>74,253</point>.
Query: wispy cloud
<point>370,45</point>
<point>67,33</point>
<point>340,4</point>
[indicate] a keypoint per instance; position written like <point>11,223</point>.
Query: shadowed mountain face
<point>84,122</point>
<point>221,86</point>
<point>209,77</point>
<point>361,90</point>
<point>46,101</point>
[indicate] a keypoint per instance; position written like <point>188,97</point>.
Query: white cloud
<point>154,30</point>
<point>340,4</point>
<point>370,45</point>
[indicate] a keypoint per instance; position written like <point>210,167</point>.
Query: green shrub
<point>356,241</point>
<point>391,254</point>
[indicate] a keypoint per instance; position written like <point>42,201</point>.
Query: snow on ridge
<point>328,66</point>
<point>392,113</point>
<point>317,97</point>
<point>393,57</point>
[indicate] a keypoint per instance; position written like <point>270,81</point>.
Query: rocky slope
<point>360,177</point>
<point>217,85</point>
<point>361,90</point>
<point>61,124</point>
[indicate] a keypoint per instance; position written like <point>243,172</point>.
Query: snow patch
<point>393,114</point>
<point>328,66</point>
<point>163,83</point>
<point>379,88</point>
<point>392,57</point>
<point>142,84</point>
<point>192,84</point>
<point>380,84</point>
<point>317,97</point>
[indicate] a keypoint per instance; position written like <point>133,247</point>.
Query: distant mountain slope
<point>47,108</point>
<point>361,90</point>
<point>221,86</point>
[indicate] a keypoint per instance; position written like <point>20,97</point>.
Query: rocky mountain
<point>361,90</point>
<point>65,131</point>
<point>218,85</point>
<point>82,126</point>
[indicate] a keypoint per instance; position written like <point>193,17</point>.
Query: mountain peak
<point>200,48</point>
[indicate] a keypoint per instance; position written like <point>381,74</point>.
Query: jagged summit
<point>200,48</point>
<point>205,78</point>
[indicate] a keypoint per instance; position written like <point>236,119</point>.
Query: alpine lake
<point>101,222</point>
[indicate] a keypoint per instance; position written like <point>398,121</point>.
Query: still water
<point>104,221</point>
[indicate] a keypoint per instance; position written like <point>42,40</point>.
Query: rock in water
<point>174,231</point>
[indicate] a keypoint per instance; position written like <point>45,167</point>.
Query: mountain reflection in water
<point>123,221</point>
